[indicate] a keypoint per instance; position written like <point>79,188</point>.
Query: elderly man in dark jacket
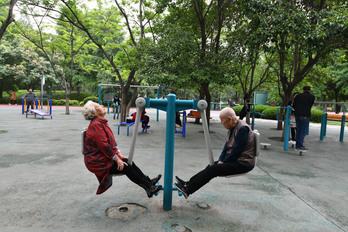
<point>237,156</point>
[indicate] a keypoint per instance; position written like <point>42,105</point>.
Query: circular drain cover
<point>125,211</point>
<point>180,228</point>
<point>203,205</point>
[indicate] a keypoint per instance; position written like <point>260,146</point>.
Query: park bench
<point>128,124</point>
<point>196,115</point>
<point>335,117</point>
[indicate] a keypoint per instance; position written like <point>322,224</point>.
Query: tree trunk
<point>8,20</point>
<point>67,98</point>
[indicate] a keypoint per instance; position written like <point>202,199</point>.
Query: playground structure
<point>128,124</point>
<point>183,129</point>
<point>342,106</point>
<point>107,96</point>
<point>171,106</point>
<point>38,103</point>
<point>324,118</point>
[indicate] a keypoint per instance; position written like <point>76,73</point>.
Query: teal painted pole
<point>99,94</point>
<point>158,96</point>
<point>322,127</point>
<point>342,127</point>
<point>325,124</point>
<point>169,153</point>
<point>253,118</point>
<point>287,128</point>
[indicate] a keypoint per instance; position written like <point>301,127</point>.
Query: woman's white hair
<point>88,110</point>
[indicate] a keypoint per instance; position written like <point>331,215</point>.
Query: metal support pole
<point>140,103</point>
<point>253,117</point>
<point>169,152</point>
<point>158,96</point>
<point>323,125</point>
<point>287,128</point>
<point>202,105</point>
<point>99,93</point>
<point>50,101</point>
<point>342,127</point>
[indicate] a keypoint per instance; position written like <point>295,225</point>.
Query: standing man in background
<point>302,104</point>
<point>30,96</point>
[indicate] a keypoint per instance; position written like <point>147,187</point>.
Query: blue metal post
<point>50,101</point>
<point>158,96</point>
<point>171,106</point>
<point>184,124</point>
<point>287,128</point>
<point>22,105</point>
<point>99,94</point>
<point>322,126</point>
<point>325,124</point>
<point>253,118</point>
<point>108,107</point>
<point>169,154</point>
<point>342,127</point>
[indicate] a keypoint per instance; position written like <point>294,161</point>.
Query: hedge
<point>61,102</point>
<point>270,112</point>
<point>92,98</point>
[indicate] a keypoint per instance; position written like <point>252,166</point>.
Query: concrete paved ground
<point>46,187</point>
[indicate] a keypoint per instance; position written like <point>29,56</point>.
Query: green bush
<point>61,102</point>
<point>237,109</point>
<point>74,95</point>
<point>316,115</point>
<point>260,109</point>
<point>92,98</point>
<point>74,102</point>
<point>5,100</point>
<point>270,112</point>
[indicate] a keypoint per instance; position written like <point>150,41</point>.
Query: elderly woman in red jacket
<point>102,156</point>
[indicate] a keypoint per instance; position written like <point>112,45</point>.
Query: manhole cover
<point>203,205</point>
<point>125,211</point>
<point>180,228</point>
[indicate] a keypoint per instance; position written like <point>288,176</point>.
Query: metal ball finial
<point>140,102</point>
<point>202,105</point>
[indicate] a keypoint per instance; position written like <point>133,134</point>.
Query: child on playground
<point>144,119</point>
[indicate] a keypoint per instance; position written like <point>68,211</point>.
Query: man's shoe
<point>180,181</point>
<point>301,149</point>
<point>156,179</point>
<point>152,190</point>
<point>182,189</point>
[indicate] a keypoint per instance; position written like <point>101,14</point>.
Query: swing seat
<point>257,152</point>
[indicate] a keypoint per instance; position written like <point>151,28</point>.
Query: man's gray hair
<point>228,112</point>
<point>88,110</point>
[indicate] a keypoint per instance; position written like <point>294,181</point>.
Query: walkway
<point>46,187</point>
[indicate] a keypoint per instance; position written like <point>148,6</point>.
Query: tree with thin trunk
<point>10,18</point>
